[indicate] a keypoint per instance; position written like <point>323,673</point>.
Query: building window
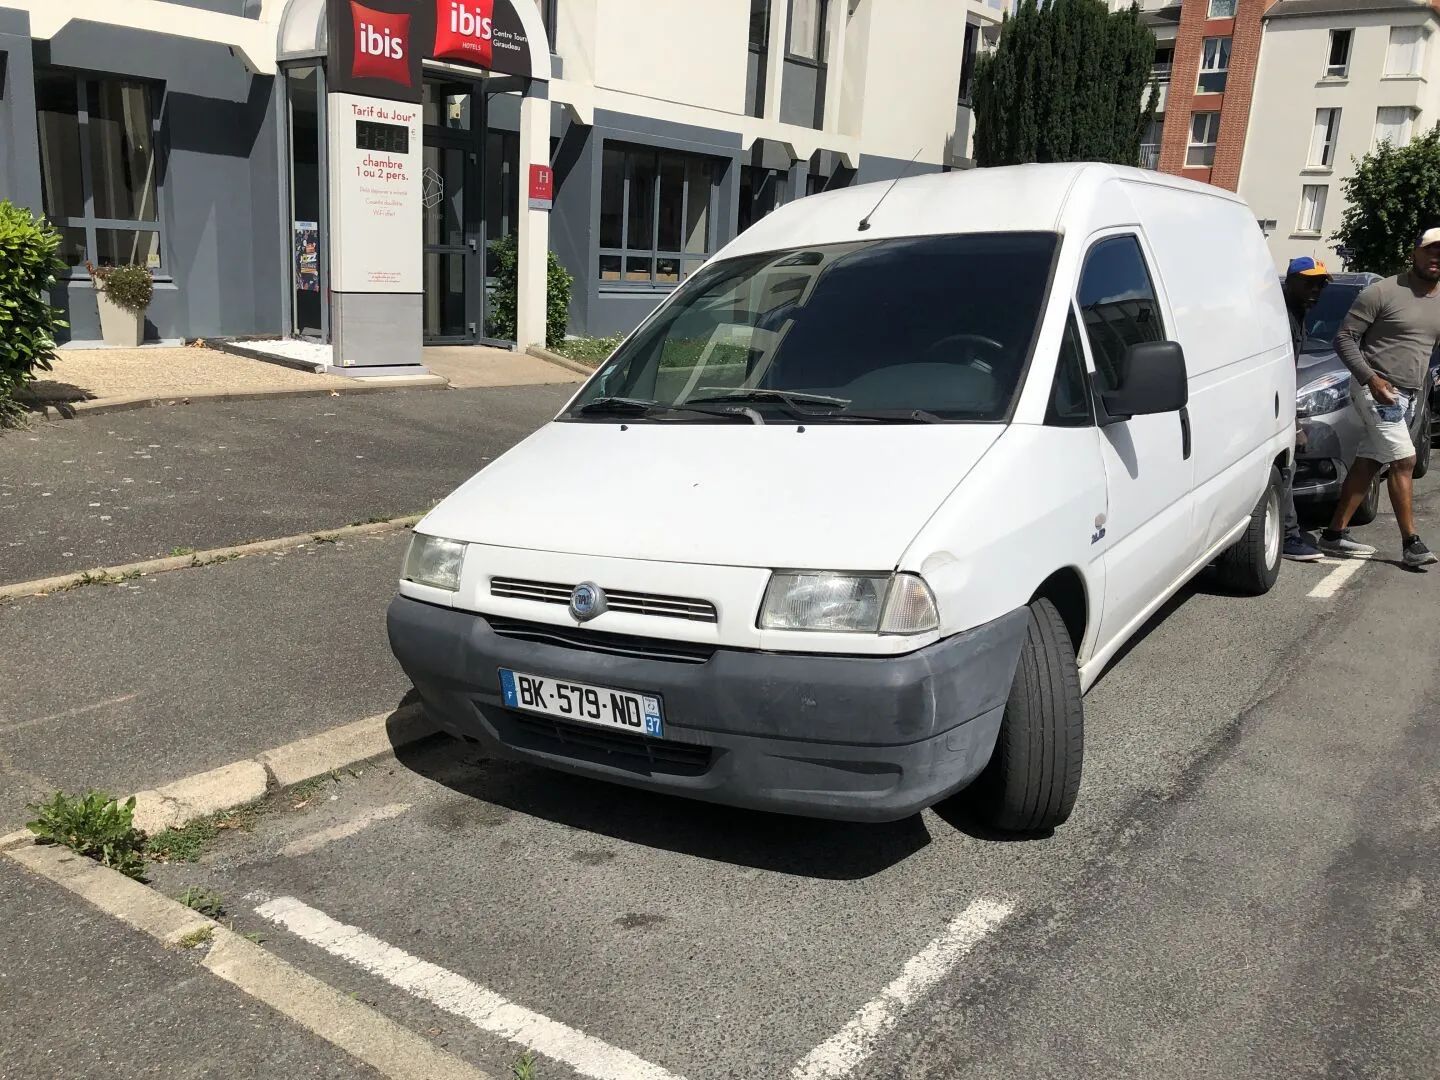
<point>759,24</point>
<point>967,62</point>
<point>98,168</point>
<point>1312,209</point>
<point>1393,124</point>
<point>1164,63</point>
<point>1322,138</point>
<point>1204,133</point>
<point>1406,53</point>
<point>1221,9</point>
<point>1214,66</point>
<point>1338,64</point>
<point>654,214</point>
<point>807,27</point>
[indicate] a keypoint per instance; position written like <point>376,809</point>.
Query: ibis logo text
<point>464,30</point>
<point>382,45</point>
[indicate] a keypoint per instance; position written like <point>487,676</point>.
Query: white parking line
<point>459,996</point>
<point>1332,582</point>
<point>838,1055</point>
<point>312,842</point>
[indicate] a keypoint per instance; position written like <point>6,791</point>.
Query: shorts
<point>1387,433</point>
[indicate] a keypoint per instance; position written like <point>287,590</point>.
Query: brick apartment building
<point>1216,51</point>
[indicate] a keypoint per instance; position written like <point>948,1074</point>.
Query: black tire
<point>1422,445</point>
<point>1367,510</point>
<point>1251,565</point>
<point>1033,777</point>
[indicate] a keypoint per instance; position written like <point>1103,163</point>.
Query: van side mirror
<point>1153,379</point>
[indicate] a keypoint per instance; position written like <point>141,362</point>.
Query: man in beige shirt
<point>1386,340</point>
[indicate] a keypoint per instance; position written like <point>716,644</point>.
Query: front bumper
<point>852,738</point>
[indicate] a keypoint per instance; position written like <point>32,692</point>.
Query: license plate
<point>638,714</point>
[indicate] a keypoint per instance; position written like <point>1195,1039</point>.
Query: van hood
<point>831,496</point>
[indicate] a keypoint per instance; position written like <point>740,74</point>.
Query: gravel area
<point>88,374</point>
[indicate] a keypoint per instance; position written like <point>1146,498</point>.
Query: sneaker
<point>1417,554</point>
<point>1341,546</point>
<point>1300,549</point>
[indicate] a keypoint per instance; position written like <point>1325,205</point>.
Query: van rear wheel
<point>1033,777</point>
<point>1252,563</point>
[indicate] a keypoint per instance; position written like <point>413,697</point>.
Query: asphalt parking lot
<point>1247,887</point>
<point>1241,891</point>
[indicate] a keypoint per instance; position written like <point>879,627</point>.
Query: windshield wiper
<point>623,406</point>
<point>793,401</point>
<point>886,416</point>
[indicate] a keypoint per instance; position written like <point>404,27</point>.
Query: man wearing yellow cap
<point>1386,340</point>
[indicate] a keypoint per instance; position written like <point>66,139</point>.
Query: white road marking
<point>68,713</point>
<point>1332,582</point>
<point>459,996</point>
<point>313,842</point>
<point>839,1055</point>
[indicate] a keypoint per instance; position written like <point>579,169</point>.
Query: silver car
<point>1331,428</point>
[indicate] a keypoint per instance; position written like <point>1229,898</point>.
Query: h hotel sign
<point>377,46</point>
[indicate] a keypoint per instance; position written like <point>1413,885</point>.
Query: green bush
<point>501,316</point>
<point>93,825</point>
<point>29,267</point>
<point>131,287</point>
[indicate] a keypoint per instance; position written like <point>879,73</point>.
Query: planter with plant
<point>122,293</point>
<point>29,269</point>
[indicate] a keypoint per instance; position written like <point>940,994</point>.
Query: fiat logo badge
<point>587,600</point>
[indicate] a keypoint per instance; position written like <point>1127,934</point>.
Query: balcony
<point>1161,72</point>
<point>1149,155</point>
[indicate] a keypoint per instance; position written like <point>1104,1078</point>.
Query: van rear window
<point>911,330</point>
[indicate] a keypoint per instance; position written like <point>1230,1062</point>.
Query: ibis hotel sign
<point>377,46</point>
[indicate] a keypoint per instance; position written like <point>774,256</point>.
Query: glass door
<point>451,218</point>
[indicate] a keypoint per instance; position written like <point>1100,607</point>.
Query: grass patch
<point>203,901</point>
<point>186,843</point>
<point>100,577</point>
<point>198,937</point>
<point>524,1067</point>
<point>177,552</point>
<point>324,538</point>
<point>588,350</point>
<point>94,825</point>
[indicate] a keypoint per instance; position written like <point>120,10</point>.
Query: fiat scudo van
<point>856,517</point>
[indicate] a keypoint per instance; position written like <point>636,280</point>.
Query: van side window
<point>1118,304</point>
<point>1070,392</point>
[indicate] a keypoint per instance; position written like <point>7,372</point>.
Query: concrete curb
<point>360,1030</point>
<point>559,361</point>
<point>43,586</point>
<point>78,409</point>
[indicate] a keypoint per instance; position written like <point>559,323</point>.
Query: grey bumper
<point>863,739</point>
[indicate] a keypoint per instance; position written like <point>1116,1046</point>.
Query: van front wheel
<point>1033,777</point>
<point>1252,563</point>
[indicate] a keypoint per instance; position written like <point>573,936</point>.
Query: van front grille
<point>633,603</point>
<point>567,637</point>
<point>584,743</point>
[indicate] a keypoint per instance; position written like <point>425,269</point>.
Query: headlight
<point>825,602</point>
<point>434,562</point>
<point>1325,394</point>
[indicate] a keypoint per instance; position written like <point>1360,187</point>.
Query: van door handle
<point>1185,432</point>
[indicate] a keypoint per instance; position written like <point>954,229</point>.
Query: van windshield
<point>916,330</point>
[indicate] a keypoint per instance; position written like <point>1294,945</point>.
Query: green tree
<point>1393,196</point>
<point>1065,83</point>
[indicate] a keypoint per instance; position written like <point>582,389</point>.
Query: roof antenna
<point>865,221</point>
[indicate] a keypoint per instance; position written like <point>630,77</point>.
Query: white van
<point>856,516</point>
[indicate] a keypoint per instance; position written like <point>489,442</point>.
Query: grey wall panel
<point>619,313</point>
<point>574,215</point>
<point>219,198</point>
<point>800,95</point>
<point>19,141</point>
<point>874,168</point>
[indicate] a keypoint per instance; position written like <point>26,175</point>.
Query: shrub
<point>131,287</point>
<point>93,825</point>
<point>29,267</point>
<point>501,320</point>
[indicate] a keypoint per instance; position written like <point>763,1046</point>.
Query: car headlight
<point>434,561</point>
<point>1325,394</point>
<point>825,602</point>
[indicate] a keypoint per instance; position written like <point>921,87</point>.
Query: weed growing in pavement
<point>195,560</point>
<point>197,937</point>
<point>175,553</point>
<point>203,901</point>
<point>325,538</point>
<point>187,842</point>
<point>523,1067</point>
<point>94,825</point>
